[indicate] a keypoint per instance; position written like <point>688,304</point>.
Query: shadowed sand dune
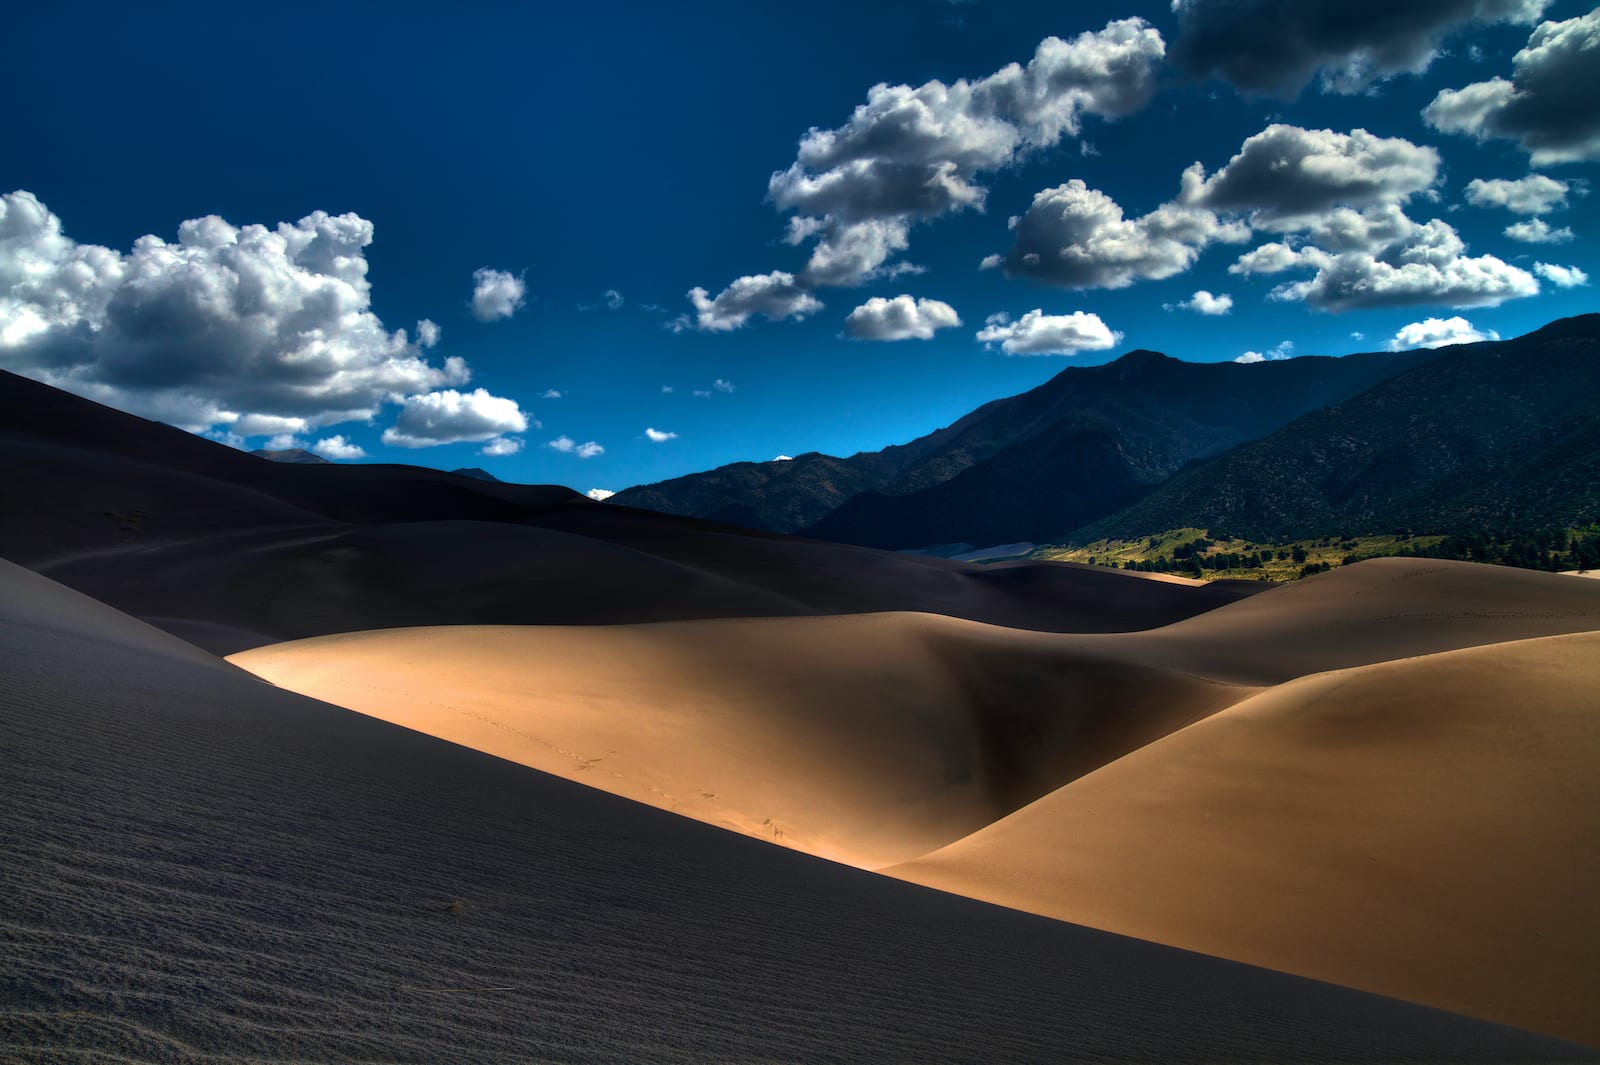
<point>875,739</point>
<point>232,551</point>
<point>198,866</point>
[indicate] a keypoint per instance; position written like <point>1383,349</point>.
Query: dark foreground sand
<point>198,866</point>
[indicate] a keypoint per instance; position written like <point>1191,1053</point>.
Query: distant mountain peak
<point>475,473</point>
<point>297,455</point>
<point>1142,356</point>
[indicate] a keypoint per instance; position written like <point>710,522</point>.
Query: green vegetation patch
<point>1199,553</point>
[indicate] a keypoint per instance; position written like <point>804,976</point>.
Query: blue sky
<point>556,156</point>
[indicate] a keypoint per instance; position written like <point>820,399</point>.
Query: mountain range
<point>1465,436</point>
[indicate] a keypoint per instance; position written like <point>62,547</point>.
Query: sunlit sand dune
<point>869,739</point>
<point>1426,829</point>
<point>1396,844</point>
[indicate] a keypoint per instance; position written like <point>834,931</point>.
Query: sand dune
<point>868,739</point>
<point>1423,828</point>
<point>198,866</point>
<point>873,739</point>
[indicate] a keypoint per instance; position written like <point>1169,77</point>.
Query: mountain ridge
<point>1102,434</point>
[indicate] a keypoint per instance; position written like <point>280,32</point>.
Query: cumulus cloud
<point>783,458</point>
<point>451,417</point>
<point>1276,353</point>
<point>900,318</point>
<point>910,154</point>
<point>496,294</point>
<point>568,446</point>
<point>599,495</point>
<point>1037,333</point>
<point>1285,174</point>
<point>1548,104</point>
<point>659,436</point>
<point>774,296</point>
<point>427,333</point>
<point>1438,333</point>
<point>502,445</point>
<point>1077,237</point>
<point>1272,47</point>
<point>229,326</point>
<point>1534,194</point>
<point>1561,276</point>
<point>550,393</point>
<point>1423,264</point>
<point>702,393</point>
<point>1203,302</point>
<point>722,386</point>
<point>337,447</point>
<point>1538,231</point>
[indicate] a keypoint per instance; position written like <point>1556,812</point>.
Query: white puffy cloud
<point>427,333</point>
<point>1381,258</point>
<point>496,294</point>
<point>1538,231</point>
<point>900,318</point>
<point>851,253</point>
<point>1077,237</point>
<point>659,436</point>
<point>1276,353</point>
<point>568,446</point>
<point>774,296</point>
<point>1438,333</point>
<point>1285,173</point>
<point>1561,276</point>
<point>599,495</point>
<point>722,386</point>
<point>1037,333</point>
<point>229,326</point>
<point>613,299</point>
<point>1534,194</point>
<point>502,445</point>
<point>1547,106</point>
<point>1203,302</point>
<point>783,458</point>
<point>1274,47</point>
<point>451,417</point>
<point>911,154</point>
<point>550,393</point>
<point>702,393</point>
<point>337,447</point>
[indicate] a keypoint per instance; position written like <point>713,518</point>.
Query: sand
<point>874,740</point>
<point>199,866</point>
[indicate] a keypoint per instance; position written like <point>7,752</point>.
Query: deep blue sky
<point>626,148</point>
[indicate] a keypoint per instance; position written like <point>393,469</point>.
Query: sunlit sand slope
<point>199,867</point>
<point>869,739</point>
<point>1426,829</point>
